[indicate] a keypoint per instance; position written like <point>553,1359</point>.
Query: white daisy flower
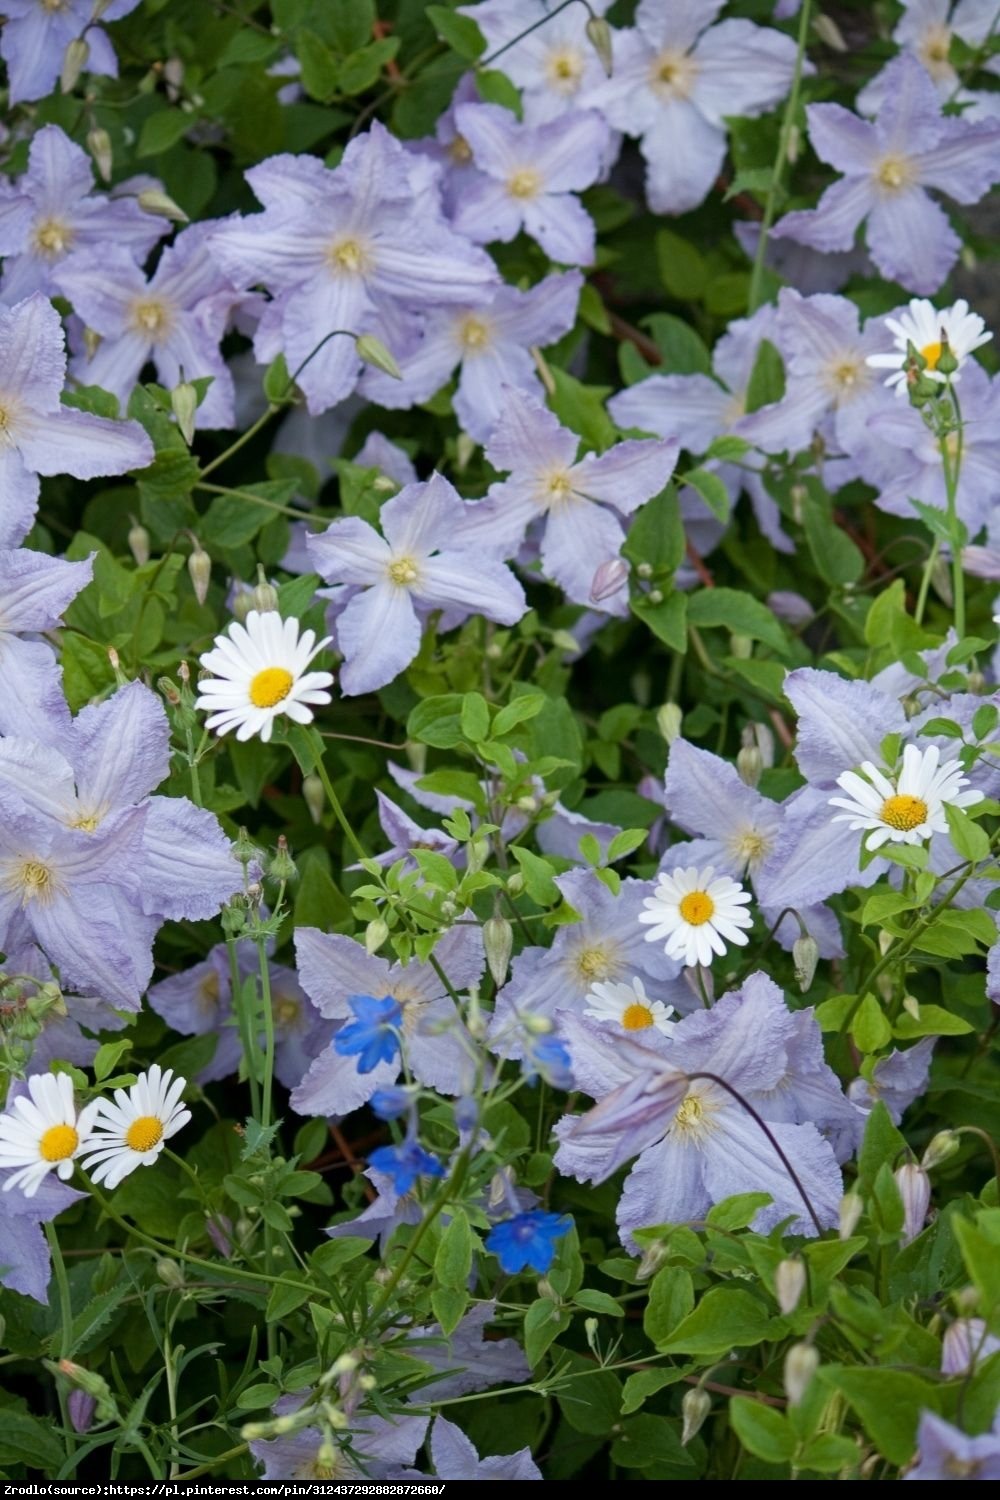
<point>258,672</point>
<point>696,915</point>
<point>43,1131</point>
<point>927,328</point>
<point>134,1130</point>
<point>628,1006</point>
<point>910,810</point>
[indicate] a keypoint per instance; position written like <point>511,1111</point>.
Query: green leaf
<point>347,23</point>
<point>285,1299</point>
<point>727,448</point>
<point>453,1261</point>
<point>933,1020</point>
<point>738,1211</point>
<point>667,620</point>
<point>656,535</point>
<point>711,489</point>
<point>971,841</point>
<point>984,720</point>
<point>264,1394</point>
<point>645,1383</point>
<point>162,130</point>
<point>870,1027</point>
<point>517,711</point>
<point>449,1304</point>
<point>107,1057</point>
<point>828,1453</point>
<point>28,1440</point>
<point>838,561</point>
<point>671,1298</point>
<point>437,721</point>
<point>762,1430</point>
<point>726,1318</point>
<point>683,268</point>
<point>767,378</point>
<point>737,612</point>
<point>581,408</point>
<point>543,1322</point>
<point>460,32</point>
<point>882,1143</point>
<point>537,872</point>
<point>888,1403</point>
<point>623,843</point>
<point>649,1441</point>
<point>981,1254</point>
<point>598,1302</point>
<point>684,352</point>
<point>475,717</point>
<point>361,70</point>
<point>318,64</point>
<point>90,1321</point>
<point>232,520</point>
<point>335,1254</point>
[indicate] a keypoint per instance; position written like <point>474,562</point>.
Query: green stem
<point>925,581</point>
<point>335,803</point>
<point>784,141</point>
<point>65,1330</point>
<point>246,1032</point>
<point>265,987</point>
<point>285,510</point>
<point>952,470</point>
<point>241,441</point>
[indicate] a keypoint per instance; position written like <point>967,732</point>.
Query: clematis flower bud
<point>498,941</point>
<point>915,1190</point>
<point>851,1209</point>
<point>154,201</point>
<point>789,1284</point>
<point>184,405</point>
<point>75,59</point>
<point>669,719</point>
<point>608,579</point>
<point>314,796</point>
<point>805,957</point>
<point>801,1364</point>
<point>939,1149</point>
<point>749,764</point>
<point>200,571</point>
<point>373,352</point>
<point>263,595</point>
<point>829,32</point>
<point>99,146</point>
<point>599,36</point>
<point>695,1407</point>
<point>138,543</point>
<point>219,1231</point>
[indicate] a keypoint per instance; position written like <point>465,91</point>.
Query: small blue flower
<point>372,1037</point>
<point>528,1240</point>
<point>548,1058</point>
<point>405,1163</point>
<point>389,1104</point>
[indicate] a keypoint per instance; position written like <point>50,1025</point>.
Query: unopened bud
<point>915,1190</point>
<point>81,1407</point>
<point>314,796</point>
<point>590,1328</point>
<point>563,641</point>
<point>527,803</point>
<point>599,36</point>
<point>749,764</point>
<point>515,883</point>
<point>789,1284</point>
<point>200,572</point>
<point>741,646</point>
<point>169,691</point>
<point>608,579</point>
<point>798,495</point>
<point>99,146</point>
<point>155,201</point>
<point>465,448</point>
<point>375,934</point>
<point>219,1230</point>
<point>669,719</point>
<point>829,32</point>
<point>912,1006</point>
<point>801,1364</point>
<point>242,603</point>
<point>695,1407</point>
<point>793,143</point>
<point>851,1209</point>
<point>138,543</point>
<point>263,595</point>
<point>282,865</point>
<point>184,405</point>
<point>805,957</point>
<point>373,352</point>
<point>939,1149</point>
<point>498,941</point>
<point>169,1272</point>
<point>75,59</point>
<point>947,364</point>
<point>941,579</point>
<point>645,570</point>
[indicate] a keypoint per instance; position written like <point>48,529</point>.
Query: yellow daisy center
<point>58,1143</point>
<point>903,812</point>
<point>525,183</point>
<point>594,963</point>
<point>697,908</point>
<point>53,238</point>
<point>271,686</point>
<point>144,1133</point>
<point>403,571</point>
<point>637,1017</point>
<point>151,318</point>
<point>894,173</point>
<point>932,353</point>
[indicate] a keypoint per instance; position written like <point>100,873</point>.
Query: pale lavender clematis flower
<point>176,319</point>
<point>362,248</point>
<point>34,591</point>
<point>697,409</point>
<point>34,39</point>
<point>887,167</point>
<point>449,149</point>
<point>455,1457</point>
<point>377,452</point>
<point>489,340</point>
<point>197,1002</point>
<point>580,500</point>
<point>427,558</point>
<point>607,944</point>
<point>897,1080</point>
<point>527,176</point>
<point>946,1454</point>
<point>829,386</point>
<point>695,1143</point>
<point>807,270</point>
<point>554,65</point>
<point>674,84</point>
<point>966,1343</point>
<point>38,435</point>
<point>465,1358</point>
<point>925,30</point>
<point>52,210</point>
<point>405,835</point>
<point>383,1215</point>
<point>91,862</point>
<point>378,1446</point>
<point>333,968</point>
<point>24,1252</point>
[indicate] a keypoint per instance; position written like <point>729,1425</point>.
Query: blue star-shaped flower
<point>373,1036</point>
<point>528,1240</point>
<point>405,1163</point>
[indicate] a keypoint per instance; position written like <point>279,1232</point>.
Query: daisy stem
<point>246,1034</point>
<point>66,1329</point>
<point>335,803</point>
<point>925,581</point>
<point>784,143</point>
<point>265,989</point>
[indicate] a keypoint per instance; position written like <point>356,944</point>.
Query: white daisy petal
<point>259,672</point>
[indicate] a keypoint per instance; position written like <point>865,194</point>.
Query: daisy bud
<point>798,495</point>
<point>608,579</point>
<point>801,1364</point>
<point>263,595</point>
<point>829,32</point>
<point>169,1272</point>
<point>314,796</point>
<point>805,957</point>
<point>947,363</point>
<point>915,1190</point>
<point>599,36</point>
<point>669,719</point>
<point>695,1407</point>
<point>940,1148</point>
<point>184,405</point>
<point>498,941</point>
<point>373,352</point>
<point>81,1409</point>
<point>75,59</point>
<point>653,1257</point>
<point>99,146</point>
<point>749,764</point>
<point>169,691</point>
<point>282,865</point>
<point>200,572</point>
<point>851,1209</point>
<point>138,543</point>
<point>375,935</point>
<point>173,74</point>
<point>789,1284</point>
<point>153,201</point>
